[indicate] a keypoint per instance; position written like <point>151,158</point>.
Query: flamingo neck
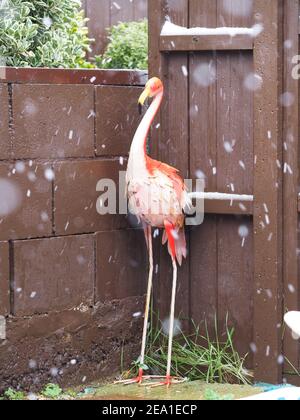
<point>138,152</point>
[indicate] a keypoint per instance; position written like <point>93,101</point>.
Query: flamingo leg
<point>148,298</point>
<point>172,315</point>
<point>169,380</point>
<point>141,377</point>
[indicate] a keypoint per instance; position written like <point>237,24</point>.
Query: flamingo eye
<point>153,87</point>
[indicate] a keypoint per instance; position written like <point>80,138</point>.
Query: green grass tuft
<point>196,357</point>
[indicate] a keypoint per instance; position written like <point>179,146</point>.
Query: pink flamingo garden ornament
<point>157,196</point>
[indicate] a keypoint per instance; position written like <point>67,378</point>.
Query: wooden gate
<point>231,114</point>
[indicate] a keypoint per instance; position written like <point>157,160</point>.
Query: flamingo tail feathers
<point>176,242</point>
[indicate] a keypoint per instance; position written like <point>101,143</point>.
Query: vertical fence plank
<point>172,136</point>
<point>235,174</point>
<point>102,14</point>
<point>268,194</point>
<point>291,177</point>
<point>203,155</point>
<point>121,11</point>
<point>140,9</point>
<point>98,13</point>
<point>174,150</point>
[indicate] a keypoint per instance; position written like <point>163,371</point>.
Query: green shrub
<point>52,391</point>
<point>13,395</point>
<point>43,33</point>
<point>128,47</point>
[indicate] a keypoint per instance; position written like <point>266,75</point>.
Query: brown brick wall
<point>75,196</point>
<point>26,200</point>
<point>55,270</point>
<point>53,121</point>
<point>114,135</point>
<point>53,274</point>
<point>4,279</point>
<point>122,264</point>
<point>5,146</point>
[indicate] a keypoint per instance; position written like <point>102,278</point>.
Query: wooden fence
<point>231,113</point>
<point>103,14</point>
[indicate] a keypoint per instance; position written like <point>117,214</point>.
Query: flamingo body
<point>157,196</point>
<point>156,192</point>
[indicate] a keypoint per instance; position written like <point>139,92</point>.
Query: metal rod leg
<point>172,315</point>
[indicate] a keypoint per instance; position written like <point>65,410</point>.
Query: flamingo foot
<point>138,380</point>
<point>167,381</point>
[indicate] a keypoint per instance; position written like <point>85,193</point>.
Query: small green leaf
<point>52,391</point>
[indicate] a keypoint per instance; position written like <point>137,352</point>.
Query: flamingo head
<point>153,87</point>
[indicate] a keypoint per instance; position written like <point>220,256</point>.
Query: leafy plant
<point>196,357</point>
<point>52,391</point>
<point>128,47</point>
<point>43,33</point>
<point>13,395</point>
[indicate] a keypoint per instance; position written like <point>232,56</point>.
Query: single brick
<point>25,200</point>
<point>122,264</point>
<point>117,119</point>
<point>4,279</point>
<point>76,197</point>
<point>53,274</point>
<point>53,121</point>
<point>4,123</point>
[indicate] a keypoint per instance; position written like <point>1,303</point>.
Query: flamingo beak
<point>142,99</point>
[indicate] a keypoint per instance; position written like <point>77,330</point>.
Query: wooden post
<point>291,176</point>
<point>268,250</point>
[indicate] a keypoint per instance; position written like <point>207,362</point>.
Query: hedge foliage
<point>128,47</point>
<point>43,33</point>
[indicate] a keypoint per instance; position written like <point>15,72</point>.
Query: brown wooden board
<point>117,119</point>
<point>98,13</point>
<point>140,9</point>
<point>291,178</point>
<point>228,207</point>
<point>235,282</point>
<point>268,194</point>
<point>235,174</point>
<point>205,43</point>
<point>203,158</point>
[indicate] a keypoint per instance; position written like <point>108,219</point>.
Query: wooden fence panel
<point>234,141</point>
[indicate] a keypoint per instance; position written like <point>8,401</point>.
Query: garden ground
<point>195,390</point>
